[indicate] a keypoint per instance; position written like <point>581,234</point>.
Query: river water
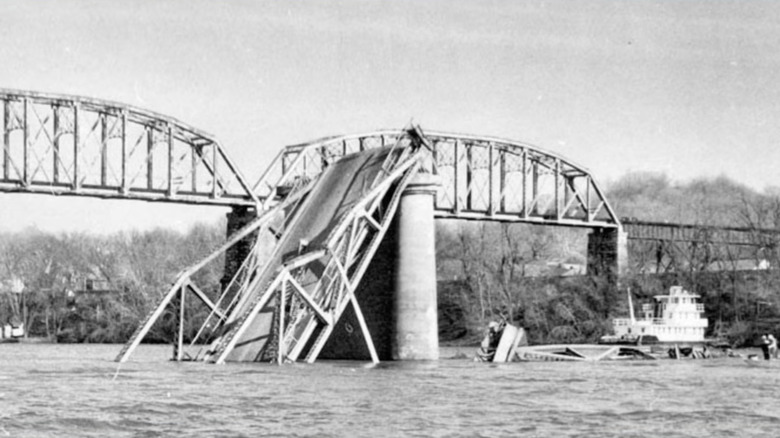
<point>76,390</point>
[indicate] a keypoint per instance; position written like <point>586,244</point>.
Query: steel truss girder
<point>647,256</point>
<point>72,145</point>
<point>735,236</point>
<point>482,178</point>
<point>345,257</point>
<point>351,246</point>
<point>232,293</point>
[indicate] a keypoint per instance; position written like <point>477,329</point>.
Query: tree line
<point>87,288</point>
<point>532,276</point>
<point>515,271</point>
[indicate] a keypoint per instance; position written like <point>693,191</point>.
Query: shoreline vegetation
<point>79,287</point>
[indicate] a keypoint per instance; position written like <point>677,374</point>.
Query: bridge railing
<point>71,145</point>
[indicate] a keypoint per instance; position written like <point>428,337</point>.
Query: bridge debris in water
<point>507,343</point>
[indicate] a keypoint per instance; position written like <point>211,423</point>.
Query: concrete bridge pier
<point>415,326</point>
<point>608,253</point>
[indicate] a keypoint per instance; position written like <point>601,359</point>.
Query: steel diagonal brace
<point>84,145</point>
<point>49,147</point>
<point>237,173</point>
<point>149,156</point>
<point>411,168</point>
<point>152,319</point>
<point>356,307</point>
<point>343,273</point>
<point>184,276</point>
<point>304,259</point>
<point>603,202</point>
<point>324,317</point>
<point>364,329</point>
<point>285,176</point>
<point>250,316</point>
<point>9,158</point>
<point>371,221</point>
<point>242,233</point>
<point>577,197</point>
<point>262,180</point>
<point>212,168</point>
<point>597,209</point>
<point>205,299</point>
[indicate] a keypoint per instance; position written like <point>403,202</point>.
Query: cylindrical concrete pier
<point>416,333</point>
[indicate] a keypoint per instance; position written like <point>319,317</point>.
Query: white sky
<point>688,87</point>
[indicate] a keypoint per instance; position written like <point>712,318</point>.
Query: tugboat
<point>674,318</point>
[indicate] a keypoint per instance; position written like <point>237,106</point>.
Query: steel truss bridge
<point>482,178</point>
<point>69,145</point>
<point>666,247</point>
<point>328,202</point>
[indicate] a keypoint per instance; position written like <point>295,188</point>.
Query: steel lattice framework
<point>668,247</point>
<point>482,178</point>
<point>307,293</point>
<point>70,145</point>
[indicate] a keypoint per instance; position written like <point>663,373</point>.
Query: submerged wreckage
<point>673,326</point>
<point>507,343</point>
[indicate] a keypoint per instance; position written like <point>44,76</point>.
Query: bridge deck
<point>338,190</point>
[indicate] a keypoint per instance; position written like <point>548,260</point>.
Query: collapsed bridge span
<point>329,205</point>
<point>286,307</point>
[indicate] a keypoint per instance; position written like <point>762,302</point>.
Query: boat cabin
<point>676,317</point>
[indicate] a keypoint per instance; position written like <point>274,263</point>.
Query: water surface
<point>76,390</point>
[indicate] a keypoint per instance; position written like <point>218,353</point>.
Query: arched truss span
<point>482,178</point>
<point>70,145</point>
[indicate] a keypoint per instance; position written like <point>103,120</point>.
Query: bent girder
<point>232,293</point>
<point>72,145</point>
<point>482,178</point>
<point>331,241</point>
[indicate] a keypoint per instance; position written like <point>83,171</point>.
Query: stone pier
<point>237,218</point>
<point>608,253</point>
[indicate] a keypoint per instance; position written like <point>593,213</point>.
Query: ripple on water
<point>71,391</point>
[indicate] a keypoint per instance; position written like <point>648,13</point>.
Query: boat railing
<point>620,322</point>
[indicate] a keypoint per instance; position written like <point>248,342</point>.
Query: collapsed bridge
<point>350,268</point>
<point>352,273</point>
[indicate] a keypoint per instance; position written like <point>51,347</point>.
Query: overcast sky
<point>689,88</point>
